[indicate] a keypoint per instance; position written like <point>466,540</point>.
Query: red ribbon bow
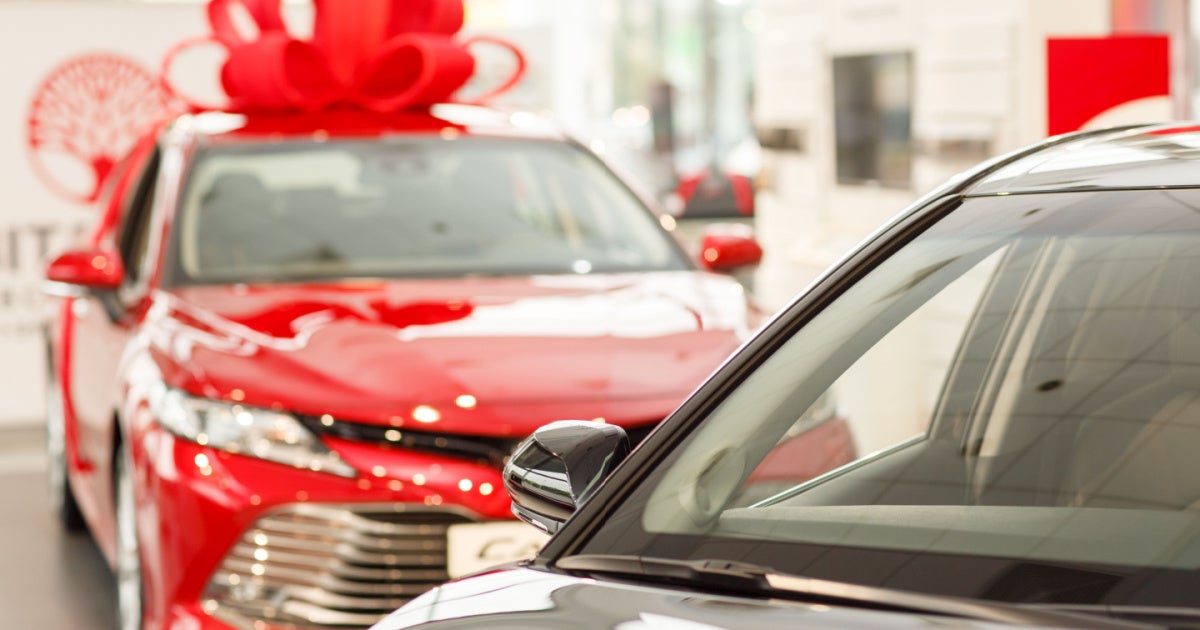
<point>383,55</point>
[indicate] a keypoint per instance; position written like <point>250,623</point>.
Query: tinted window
<point>134,240</point>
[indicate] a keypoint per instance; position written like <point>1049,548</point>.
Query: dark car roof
<point>446,120</point>
<point>1151,156</point>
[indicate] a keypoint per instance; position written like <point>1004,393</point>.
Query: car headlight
<point>261,433</point>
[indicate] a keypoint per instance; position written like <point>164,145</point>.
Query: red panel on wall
<point>1089,76</point>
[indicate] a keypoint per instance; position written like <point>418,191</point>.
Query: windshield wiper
<point>750,579</point>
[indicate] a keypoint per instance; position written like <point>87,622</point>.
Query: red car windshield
<point>408,207</point>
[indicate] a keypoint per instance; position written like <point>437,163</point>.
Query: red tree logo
<point>86,114</point>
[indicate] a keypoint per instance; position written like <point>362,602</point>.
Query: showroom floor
<point>48,579</point>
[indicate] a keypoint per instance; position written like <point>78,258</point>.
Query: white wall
<point>978,90</point>
<point>978,81</point>
<point>35,37</point>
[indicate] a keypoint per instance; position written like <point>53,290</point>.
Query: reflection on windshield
<point>1019,389</point>
<point>419,207</point>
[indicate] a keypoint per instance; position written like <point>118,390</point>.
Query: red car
<point>296,351</point>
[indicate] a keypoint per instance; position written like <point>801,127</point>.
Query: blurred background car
<point>1015,359</point>
<point>297,349</point>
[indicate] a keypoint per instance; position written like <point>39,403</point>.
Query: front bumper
<point>230,541</point>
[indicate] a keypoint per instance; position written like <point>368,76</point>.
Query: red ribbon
<point>382,55</point>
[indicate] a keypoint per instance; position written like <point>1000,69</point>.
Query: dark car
<point>1017,358</point>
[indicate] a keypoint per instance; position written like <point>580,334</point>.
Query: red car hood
<point>477,356</point>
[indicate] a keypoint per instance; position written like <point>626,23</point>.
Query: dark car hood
<point>626,348</point>
<point>528,598</point>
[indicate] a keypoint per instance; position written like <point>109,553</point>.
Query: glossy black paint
<point>531,598</point>
<point>557,469</point>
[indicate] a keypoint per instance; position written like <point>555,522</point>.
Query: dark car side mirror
<point>725,247</point>
<point>86,268</point>
<point>556,470</point>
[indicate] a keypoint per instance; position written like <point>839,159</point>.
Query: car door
<point>95,337</point>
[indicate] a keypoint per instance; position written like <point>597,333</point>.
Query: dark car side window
<point>134,237</point>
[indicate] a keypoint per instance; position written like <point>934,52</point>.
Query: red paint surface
<point>1089,76</point>
<point>100,269</point>
<point>729,251</point>
<point>372,352</point>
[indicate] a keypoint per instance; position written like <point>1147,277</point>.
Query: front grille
<point>491,451</point>
<point>326,567</point>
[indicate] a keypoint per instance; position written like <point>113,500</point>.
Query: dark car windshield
<point>409,207</point>
<point>1007,407</point>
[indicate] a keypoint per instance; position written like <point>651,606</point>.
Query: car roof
<point>1150,156</point>
<point>446,120</point>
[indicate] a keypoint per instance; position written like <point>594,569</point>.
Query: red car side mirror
<point>90,268</point>
<point>728,247</point>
